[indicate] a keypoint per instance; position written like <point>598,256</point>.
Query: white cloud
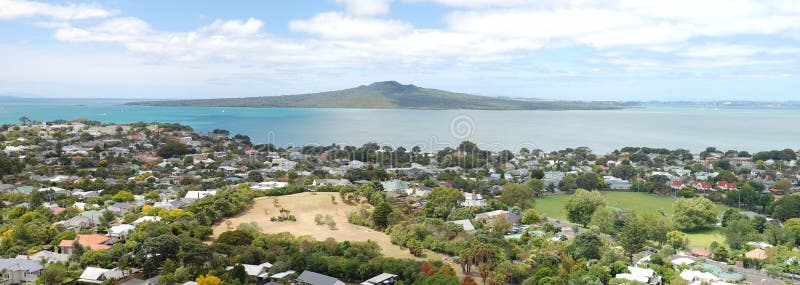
<point>366,7</point>
<point>235,27</point>
<point>334,25</point>
<point>112,30</point>
<point>721,50</point>
<point>628,35</point>
<point>11,9</point>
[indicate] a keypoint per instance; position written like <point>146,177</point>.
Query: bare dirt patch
<point>305,206</point>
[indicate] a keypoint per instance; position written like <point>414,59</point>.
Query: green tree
<point>587,180</point>
<point>657,227</point>
<point>53,274</point>
<point>172,148</point>
<point>530,217</point>
<point>738,232</point>
<point>677,240</point>
<point>238,273</point>
<point>518,195</point>
<point>123,196</point>
<point>633,236</point>
<point>380,217</point>
<point>624,171</point>
<point>537,185</point>
<point>786,208</point>
<point>582,204</point>
<point>24,120</point>
<point>441,200</point>
<point>694,214</point>
<point>587,245</point>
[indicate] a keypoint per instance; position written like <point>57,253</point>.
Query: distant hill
<point>388,95</point>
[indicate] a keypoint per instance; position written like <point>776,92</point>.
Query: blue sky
<point>586,50</point>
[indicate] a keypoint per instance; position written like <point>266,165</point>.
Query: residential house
<point>78,222</point>
<point>120,231</point>
<point>702,186</point>
<point>92,241</point>
<point>120,209</point>
<point>19,271</point>
<point>199,194</point>
<point>86,194</point>
<point>699,277</point>
<point>677,185</point>
<point>96,275</point>
<point>267,185</point>
<point>489,217</point>
<point>465,224</point>
<point>757,253</point>
<point>331,182</point>
<point>381,279</point>
<point>281,277</point>
<point>553,177</point>
<point>313,278</point>
<point>396,185</point>
<point>46,256</point>
<point>701,252</point>
<point>644,275</point>
<point>725,185</point>
<point>282,164</point>
<point>473,200</point>
<point>616,183</point>
<point>258,272</point>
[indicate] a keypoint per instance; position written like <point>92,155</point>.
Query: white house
<point>19,271</point>
<point>644,275</point>
<point>260,271</point>
<point>473,200</point>
<point>120,230</point>
<point>199,194</point>
<point>267,185</point>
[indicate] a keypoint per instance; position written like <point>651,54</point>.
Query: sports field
<point>552,206</point>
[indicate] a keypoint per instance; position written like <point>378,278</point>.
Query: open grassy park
<point>552,206</point>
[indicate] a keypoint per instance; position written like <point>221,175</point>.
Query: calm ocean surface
<point>671,126</point>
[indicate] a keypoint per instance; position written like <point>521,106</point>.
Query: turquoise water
<point>671,126</point>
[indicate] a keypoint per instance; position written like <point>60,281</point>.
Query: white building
<point>19,271</point>
<point>473,200</point>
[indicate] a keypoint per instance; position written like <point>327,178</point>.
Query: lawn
<point>704,238</point>
<point>552,206</point>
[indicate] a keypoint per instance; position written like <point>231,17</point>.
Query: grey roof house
<point>313,278</point>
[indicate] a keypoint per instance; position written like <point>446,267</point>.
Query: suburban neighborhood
<point>150,203</point>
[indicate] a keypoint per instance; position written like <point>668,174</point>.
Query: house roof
<point>757,253</point>
<point>282,274</point>
<point>17,264</point>
<point>701,252</point>
<point>93,241</point>
<point>314,278</point>
<point>254,270</point>
<point>466,224</point>
<point>46,255</point>
<point>92,273</point>
<point>380,278</point>
<point>120,229</point>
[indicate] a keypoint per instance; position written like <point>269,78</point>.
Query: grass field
<point>553,207</point>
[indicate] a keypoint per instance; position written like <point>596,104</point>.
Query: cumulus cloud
<point>11,9</point>
<point>338,26</point>
<point>616,35</point>
<point>366,7</point>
